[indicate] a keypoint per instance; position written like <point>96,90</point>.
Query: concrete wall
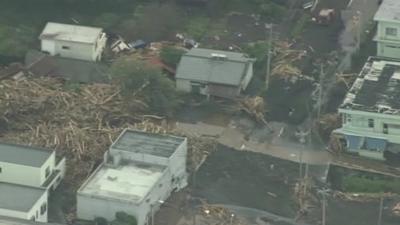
<point>357,122</point>
<point>183,85</point>
<point>50,163</point>
<point>388,45</point>
<point>75,50</point>
<point>90,207</point>
<point>48,46</point>
<point>35,210</point>
<point>139,157</point>
<point>381,31</point>
<point>13,214</point>
<point>19,174</point>
<point>247,78</point>
<point>177,166</point>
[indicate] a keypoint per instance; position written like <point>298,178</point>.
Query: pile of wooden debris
<point>79,122</point>
<point>285,61</point>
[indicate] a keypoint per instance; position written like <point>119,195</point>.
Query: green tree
<point>171,55</point>
<point>139,78</point>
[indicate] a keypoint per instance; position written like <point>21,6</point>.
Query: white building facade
<point>388,29</point>
<point>73,41</point>
<point>139,172</point>
<point>26,176</point>
<point>371,110</point>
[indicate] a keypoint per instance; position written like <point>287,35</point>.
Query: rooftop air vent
<point>218,56</point>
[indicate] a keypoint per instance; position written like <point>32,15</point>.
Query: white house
<point>26,176</point>
<point>371,110</point>
<point>388,29</point>
<point>73,41</point>
<point>23,202</point>
<point>214,73</point>
<point>30,166</point>
<point>15,221</point>
<point>139,172</point>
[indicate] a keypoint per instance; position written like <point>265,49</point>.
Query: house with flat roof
<point>27,174</point>
<point>139,171</point>
<point>371,110</point>
<point>388,29</point>
<point>30,166</point>
<point>73,41</point>
<point>4,220</point>
<point>214,73</point>
<point>23,202</point>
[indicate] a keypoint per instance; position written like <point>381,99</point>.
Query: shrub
<point>171,56</point>
<point>122,218</point>
<point>362,184</point>
<point>100,221</point>
<point>150,83</point>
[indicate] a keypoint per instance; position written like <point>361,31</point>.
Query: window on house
<point>390,31</point>
<point>348,118</point>
<point>47,172</point>
<point>385,128</point>
<point>371,123</point>
<point>43,209</point>
<point>37,214</point>
<point>0,170</point>
<point>66,47</point>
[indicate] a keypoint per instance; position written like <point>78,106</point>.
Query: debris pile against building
<point>139,172</point>
<point>28,174</point>
<point>371,110</point>
<point>33,112</point>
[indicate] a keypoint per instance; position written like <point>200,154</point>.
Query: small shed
<point>73,41</point>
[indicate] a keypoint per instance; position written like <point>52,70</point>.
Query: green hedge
<point>362,184</point>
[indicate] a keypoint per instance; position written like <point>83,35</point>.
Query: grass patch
<point>300,26</point>
<point>367,185</point>
<point>197,27</point>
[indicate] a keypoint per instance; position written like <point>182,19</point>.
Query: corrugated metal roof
<point>389,11</point>
<point>19,198</point>
<point>68,32</point>
<point>23,155</point>
<point>220,67</point>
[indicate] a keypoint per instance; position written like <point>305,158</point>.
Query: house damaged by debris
<point>214,73</point>
<point>371,110</point>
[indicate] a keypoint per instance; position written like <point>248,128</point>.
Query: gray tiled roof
<point>19,198</point>
<point>23,155</point>
<point>199,65</point>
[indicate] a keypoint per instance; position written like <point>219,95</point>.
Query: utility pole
<point>301,162</point>
<point>268,73</point>
<point>323,208</point>
<point>380,211</point>
<point>320,95</point>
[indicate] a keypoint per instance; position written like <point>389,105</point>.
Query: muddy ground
<point>359,213</point>
<point>245,179</point>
